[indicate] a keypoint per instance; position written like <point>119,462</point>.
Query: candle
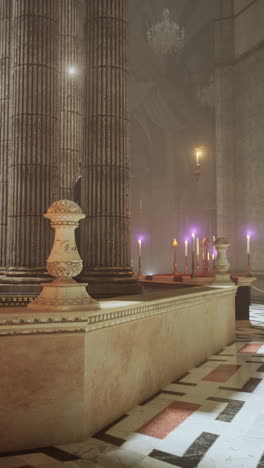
<point>197,156</point>
<point>174,243</point>
<point>197,246</point>
<point>139,247</point>
<point>193,242</point>
<point>248,244</point>
<point>186,248</point>
<point>208,256</point>
<point>197,254</point>
<point>213,257</point>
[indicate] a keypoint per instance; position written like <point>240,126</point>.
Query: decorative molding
<point>29,323</point>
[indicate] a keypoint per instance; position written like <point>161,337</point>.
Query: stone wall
<point>249,117</point>
<point>170,102</point>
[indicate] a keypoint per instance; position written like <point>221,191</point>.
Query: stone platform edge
<point>21,321</point>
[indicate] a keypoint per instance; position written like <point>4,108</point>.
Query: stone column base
<point>111,282</point>
<point>64,294</point>
<point>16,275</point>
<point>23,281</point>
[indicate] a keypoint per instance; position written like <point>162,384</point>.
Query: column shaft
<point>71,28</point>
<point>5,52</point>
<point>105,168</point>
<point>32,168</point>
<point>225,157</point>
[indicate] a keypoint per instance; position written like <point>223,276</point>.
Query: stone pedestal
<point>61,369</point>
<point>105,239</point>
<point>222,275</point>
<point>243,299</point>
<point>64,262</point>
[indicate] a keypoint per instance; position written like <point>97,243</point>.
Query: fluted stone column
<point>32,167</point>
<point>224,112</point>
<point>71,29</point>
<point>105,238</point>
<point>5,52</point>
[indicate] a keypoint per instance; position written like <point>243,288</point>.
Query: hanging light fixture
<point>166,37</point>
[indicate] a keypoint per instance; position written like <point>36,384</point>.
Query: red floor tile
<point>168,419</point>
<point>251,348</point>
<point>222,373</point>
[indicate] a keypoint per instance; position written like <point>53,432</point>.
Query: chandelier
<point>166,37</point>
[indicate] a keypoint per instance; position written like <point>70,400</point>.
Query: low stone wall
<point>66,376</point>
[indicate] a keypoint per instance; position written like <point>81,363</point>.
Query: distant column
<point>71,29</point>
<point>32,167</point>
<point>105,240</point>
<point>224,114</point>
<point>5,52</point>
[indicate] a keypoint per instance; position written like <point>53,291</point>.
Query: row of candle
<point>195,245</point>
<point>195,253</point>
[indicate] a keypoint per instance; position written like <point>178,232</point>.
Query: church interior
<point>131,230</point>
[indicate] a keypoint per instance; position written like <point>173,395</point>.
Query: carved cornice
<point>14,322</point>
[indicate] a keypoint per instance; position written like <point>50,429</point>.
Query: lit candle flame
<point>175,243</point>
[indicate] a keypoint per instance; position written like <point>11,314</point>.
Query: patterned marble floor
<point>213,417</point>
<point>256,315</point>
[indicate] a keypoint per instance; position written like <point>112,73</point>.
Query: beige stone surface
<point>42,389</point>
<point>134,361</point>
<point>248,28</point>
<point>63,376</point>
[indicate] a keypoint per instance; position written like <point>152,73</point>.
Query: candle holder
<point>213,263</point>
<point>248,265</point>
<point>139,273</point>
<point>205,246</point>
<point>186,269</point>
<point>197,171</point>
